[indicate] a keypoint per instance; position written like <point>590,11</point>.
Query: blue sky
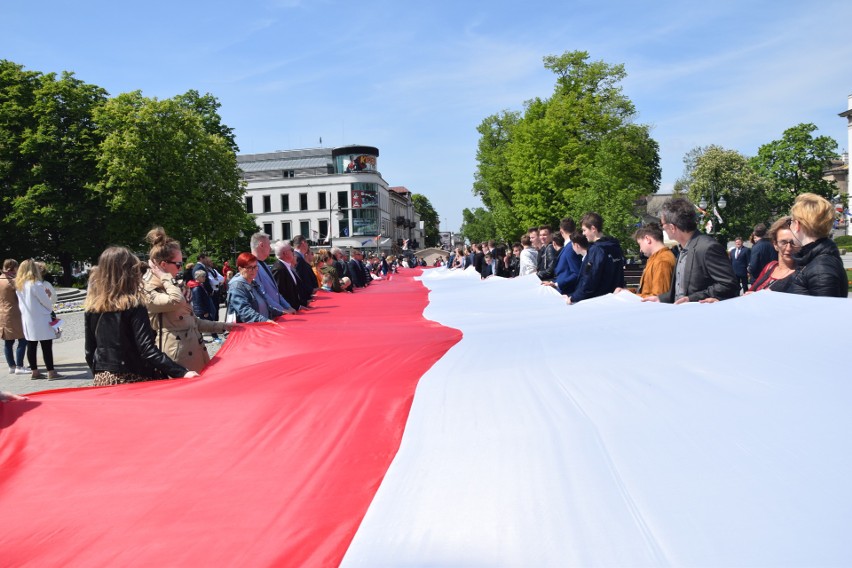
<point>416,79</point>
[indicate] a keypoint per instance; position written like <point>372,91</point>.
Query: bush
<point>844,241</point>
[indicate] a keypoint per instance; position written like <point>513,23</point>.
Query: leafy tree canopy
<point>571,153</point>
<point>717,173</point>
<point>49,180</point>
<point>80,170</point>
<point>477,225</point>
<point>795,164</point>
<point>423,208</point>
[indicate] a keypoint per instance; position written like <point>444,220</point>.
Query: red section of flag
<point>270,458</point>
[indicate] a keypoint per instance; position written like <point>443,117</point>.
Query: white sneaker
<point>12,370</point>
<point>22,371</point>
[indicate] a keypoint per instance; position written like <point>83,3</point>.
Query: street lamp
<point>721,204</point>
<point>332,210</point>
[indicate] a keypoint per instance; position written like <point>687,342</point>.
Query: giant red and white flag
<point>456,422</point>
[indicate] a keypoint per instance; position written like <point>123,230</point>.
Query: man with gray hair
<point>260,248</point>
<point>703,272</point>
<point>284,272</point>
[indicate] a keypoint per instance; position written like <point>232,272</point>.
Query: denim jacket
<point>242,300</point>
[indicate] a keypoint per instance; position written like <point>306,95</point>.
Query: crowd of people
<point>146,320</point>
<point>795,255</point>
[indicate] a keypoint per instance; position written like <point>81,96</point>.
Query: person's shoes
<point>22,371</point>
<point>53,376</point>
<point>36,375</point>
<point>218,340</point>
<point>12,370</point>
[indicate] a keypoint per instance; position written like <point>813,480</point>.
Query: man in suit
<point>286,279</point>
<point>740,257</point>
<point>762,252</point>
<point>260,248</point>
<point>307,279</point>
<point>356,269</point>
<point>703,271</point>
<point>567,271</point>
<point>492,266</point>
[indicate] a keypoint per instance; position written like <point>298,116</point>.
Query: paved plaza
<point>68,359</point>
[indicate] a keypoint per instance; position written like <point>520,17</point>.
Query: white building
<point>333,197</point>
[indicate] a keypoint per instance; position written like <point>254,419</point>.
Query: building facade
<point>331,196</point>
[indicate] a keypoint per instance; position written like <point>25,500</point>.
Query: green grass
<point>843,241</point>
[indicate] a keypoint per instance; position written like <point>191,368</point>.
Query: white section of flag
<point>621,433</point>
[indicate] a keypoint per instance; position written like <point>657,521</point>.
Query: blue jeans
<point>18,360</point>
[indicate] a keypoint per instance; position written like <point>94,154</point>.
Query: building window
<point>343,199</point>
<point>285,231</point>
<point>365,222</point>
<point>288,173</point>
<point>285,202</point>
<point>267,203</point>
<point>322,200</point>
<point>343,224</point>
<point>303,202</point>
<point>267,228</point>
<point>305,229</point>
<point>249,206</point>
<point>323,230</point>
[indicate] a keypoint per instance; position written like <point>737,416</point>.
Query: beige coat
<point>178,330</point>
<point>10,314</point>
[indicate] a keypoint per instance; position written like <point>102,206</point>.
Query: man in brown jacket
<point>657,277</point>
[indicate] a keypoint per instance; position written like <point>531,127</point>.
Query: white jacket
<point>35,312</point>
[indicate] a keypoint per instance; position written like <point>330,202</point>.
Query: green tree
<point>163,162</point>
<point>477,225</point>
<point>573,152</point>
<point>493,178</point>
<point>17,97</point>
<point>795,164</point>
<point>717,174</point>
<point>625,167</point>
<point>54,201</point>
<point>207,108</point>
<point>423,208</point>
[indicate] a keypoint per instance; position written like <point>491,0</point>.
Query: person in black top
<point>119,342</point>
<point>819,269</point>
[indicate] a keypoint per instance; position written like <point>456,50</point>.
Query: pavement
<point>68,359</point>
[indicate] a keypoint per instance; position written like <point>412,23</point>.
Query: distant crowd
<point>794,255</point>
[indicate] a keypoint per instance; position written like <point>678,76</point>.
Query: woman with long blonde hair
<point>119,340</point>
<point>36,307</point>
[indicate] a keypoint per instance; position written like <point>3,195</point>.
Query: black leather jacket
<point>546,263</point>
<point>123,342</point>
<point>820,271</point>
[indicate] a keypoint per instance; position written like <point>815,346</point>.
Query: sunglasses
<point>178,264</point>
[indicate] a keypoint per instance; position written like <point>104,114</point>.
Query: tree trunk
<point>65,279</point>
